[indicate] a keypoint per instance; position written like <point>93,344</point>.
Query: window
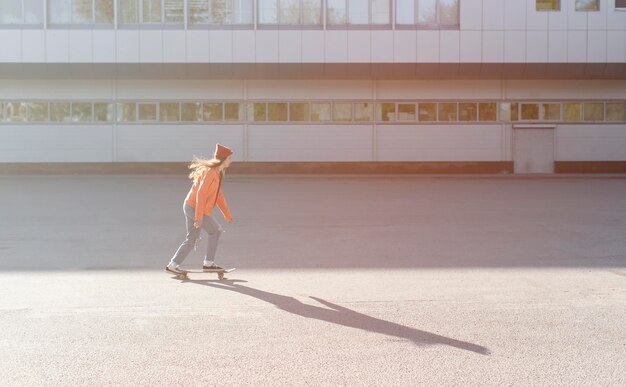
<point>572,112</point>
<point>82,112</point>
<point>103,112</point>
<point>290,12</point>
<point>27,12</point>
<point>551,111</point>
<point>587,5</point>
<point>220,12</point>
<point>530,111</point>
<point>406,112</point>
<point>191,111</point>
<point>320,112</point>
<point>427,111</point>
<point>14,111</point>
<point>63,12</point>
<point>60,112</point>
<point>126,112</point>
<point>358,12</point>
<point>147,111</point>
<point>363,111</point>
<point>151,11</point>
<point>487,111</point>
<point>233,111</point>
<point>342,112</point>
<point>620,4</point>
<point>615,111</point>
<point>593,111</point>
<point>548,5</point>
<point>386,111</point>
<point>169,112</point>
<point>212,111</point>
<point>277,111</point>
<point>298,111</point>
<point>257,111</point>
<point>447,111</point>
<point>429,13</point>
<point>468,111</point>
<point>37,111</point>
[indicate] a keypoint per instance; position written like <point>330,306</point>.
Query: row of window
<point>581,5</point>
<point>342,112</point>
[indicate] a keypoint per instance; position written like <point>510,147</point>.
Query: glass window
<point>551,111</point>
<point>312,12</point>
<point>447,111</point>
<point>1,111</point>
<point>104,11</point>
<point>126,112</point>
<point>147,111</point>
<point>37,111</point>
<point>593,111</point>
<point>358,12</point>
<point>15,111</point>
<point>151,11</point>
<point>103,112</point>
<point>548,5</point>
<point>342,111</point>
<point>29,12</point>
<point>448,12</point>
<point>191,111</point>
<point>233,111</point>
<point>405,12</point>
<point>336,12</point>
<point>427,111</point>
<point>620,4</point>
<point>60,112</point>
<point>80,11</point>
<point>298,111</point>
<point>169,111</point>
<point>174,11</point>
<point>363,111</point>
<point>587,5</point>
<point>406,112</point>
<point>487,111</point>
<point>530,111</point>
<point>320,112</point>
<point>257,111</point>
<point>386,111</point>
<point>468,111</point>
<point>60,11</point>
<point>572,111</point>
<point>82,112</point>
<point>212,111</point>
<point>220,11</point>
<point>128,13</point>
<point>277,111</point>
<point>615,111</point>
<point>289,12</point>
<point>427,12</point>
<point>268,11</point>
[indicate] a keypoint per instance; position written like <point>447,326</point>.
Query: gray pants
<point>212,228</point>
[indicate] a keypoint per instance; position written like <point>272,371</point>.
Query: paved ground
<point>340,281</point>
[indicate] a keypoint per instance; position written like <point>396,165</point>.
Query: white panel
<point>515,46</point>
<point>439,89</point>
<point>577,20</point>
<point>564,89</point>
<point>313,46</point>
<point>266,46</point>
<point>104,46</point>
<point>179,89</point>
<point>197,46</point>
<point>557,50</point>
<point>57,46</point>
<point>536,46</point>
<point>81,49</point>
<point>576,46</point>
<point>591,142</point>
<point>244,46</point>
<point>221,46</point>
<point>493,14</point>
<point>515,15</point>
<point>150,46</point>
<point>309,89</point>
<point>405,46</point>
<point>536,20</point>
<point>596,46</point>
<point>450,47</point>
<point>174,46</point>
<point>471,14</point>
<point>427,46</point>
<point>290,46</point>
<point>55,89</point>
<point>558,20</point>
<point>336,46</point>
<point>382,46</point>
<point>309,143</point>
<point>439,143</point>
<point>616,46</point>
<point>359,46</point>
<point>176,142</point>
<point>597,20</point>
<point>615,20</point>
<point>33,46</point>
<point>493,47</point>
<point>127,46</point>
<point>471,46</point>
<point>56,143</point>
<point>11,51</point>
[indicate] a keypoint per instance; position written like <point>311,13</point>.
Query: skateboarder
<point>204,195</point>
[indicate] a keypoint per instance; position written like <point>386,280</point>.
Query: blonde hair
<point>199,166</point>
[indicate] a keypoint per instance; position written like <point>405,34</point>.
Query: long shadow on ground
<point>343,316</point>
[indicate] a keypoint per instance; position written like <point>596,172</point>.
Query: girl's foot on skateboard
<point>212,268</point>
<point>176,270</point>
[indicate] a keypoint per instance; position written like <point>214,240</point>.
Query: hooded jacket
<point>206,193</point>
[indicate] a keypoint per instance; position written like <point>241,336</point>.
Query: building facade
<point>525,86</point>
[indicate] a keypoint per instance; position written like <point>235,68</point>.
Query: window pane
<point>277,112</point>
<point>257,111</point>
<point>615,111</point>
<point>363,111</point>
<point>37,112</point>
<point>151,11</point>
<point>198,11</point>
<point>126,112</point>
<point>358,12</point>
<point>405,12</point>
<point>82,11</point>
<point>449,12</point>
<point>380,12</point>
<point>82,112</point>
<point>59,11</point>
<point>530,111</point>
<point>147,111</point>
<point>103,112</point>
<point>336,12</point>
<point>219,12</point>
<point>320,112</point>
<point>233,111</point>
<point>311,12</point>
<point>386,111</point>
<point>60,112</point>
<point>406,112</point>
<point>298,111</point>
<point>571,112</point>
<point>104,11</point>
<point>191,111</point>
<point>33,11</point>
<point>487,111</point>
<point>548,5</point>
<point>268,11</point>
<point>447,111</point>
<point>552,111</point>
<point>342,112</point>
<point>594,111</point>
<point>587,5</point>
<point>128,12</point>
<point>428,111</point>
<point>468,111</point>
<point>11,12</point>
<point>169,111</point>
<point>289,11</point>
<point>212,111</point>
<point>174,11</point>
<point>427,12</point>
<point>620,4</point>
<point>242,12</point>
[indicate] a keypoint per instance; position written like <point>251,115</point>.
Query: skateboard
<point>220,273</point>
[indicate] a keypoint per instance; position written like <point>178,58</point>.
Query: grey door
<point>533,150</point>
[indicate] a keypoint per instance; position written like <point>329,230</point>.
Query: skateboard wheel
<point>220,276</point>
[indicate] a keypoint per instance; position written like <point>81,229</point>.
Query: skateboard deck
<point>220,273</point>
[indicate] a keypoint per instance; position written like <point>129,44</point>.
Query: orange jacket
<point>204,195</point>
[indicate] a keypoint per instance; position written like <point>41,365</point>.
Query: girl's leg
<point>215,231</point>
<point>189,242</point>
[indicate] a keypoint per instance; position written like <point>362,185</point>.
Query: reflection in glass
<point>103,112</point>
<point>257,111</point>
<point>615,111</point>
<point>268,11</point>
<point>289,12</point>
<point>551,111</point>
<point>169,111</point>
<point>191,111</point>
<point>60,112</point>
<point>530,111</point>
<point>548,5</point>
<point>311,12</point>
<point>427,12</point>
<point>82,11</point>
<point>277,111</point>
<point>126,112</point>
<point>212,111</point>
<point>151,11</point>
<point>487,111</point>
<point>572,111</point>
<point>320,112</point>
<point>37,111</point>
<point>405,11</point>
<point>587,5</point>
<point>363,111</point>
<point>342,112</point>
<point>233,111</point>
<point>593,111</point>
<point>298,111</point>
<point>147,111</point>
<point>406,112</point>
<point>11,12</point>
<point>128,13</point>
<point>104,12</point>
<point>358,12</point>
<point>82,112</point>
<point>386,111</point>
<point>428,111</point>
<point>336,12</point>
<point>60,11</point>
<point>447,111</point>
<point>449,12</point>
<point>468,111</point>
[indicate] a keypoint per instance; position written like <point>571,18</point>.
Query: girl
<point>205,193</point>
